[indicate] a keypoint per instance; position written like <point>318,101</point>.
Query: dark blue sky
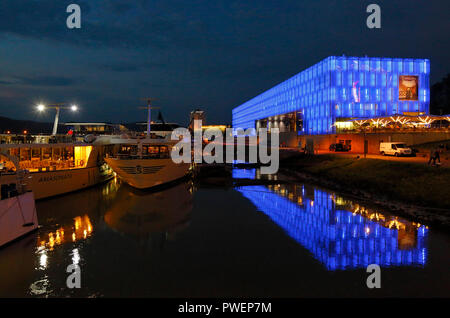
<point>188,54</point>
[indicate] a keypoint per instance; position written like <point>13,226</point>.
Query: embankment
<point>420,191</point>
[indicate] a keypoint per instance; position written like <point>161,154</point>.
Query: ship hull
<point>52,183</point>
<point>17,217</point>
<point>148,173</point>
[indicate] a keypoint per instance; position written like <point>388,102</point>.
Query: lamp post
<point>58,107</point>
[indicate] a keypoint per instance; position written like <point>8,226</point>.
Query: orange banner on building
<point>408,87</point>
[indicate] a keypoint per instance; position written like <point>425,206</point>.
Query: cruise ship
<point>55,168</point>
<point>144,162</point>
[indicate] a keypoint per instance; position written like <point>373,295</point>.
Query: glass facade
<point>343,87</point>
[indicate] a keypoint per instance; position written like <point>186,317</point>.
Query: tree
<point>440,97</point>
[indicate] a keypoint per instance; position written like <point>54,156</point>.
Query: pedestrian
<point>437,156</point>
<point>432,157</point>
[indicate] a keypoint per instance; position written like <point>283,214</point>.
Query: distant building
<point>222,128</point>
<point>197,115</point>
<point>95,128</point>
<point>158,129</point>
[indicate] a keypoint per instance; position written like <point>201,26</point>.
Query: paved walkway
<point>420,158</point>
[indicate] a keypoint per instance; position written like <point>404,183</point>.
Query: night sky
<point>205,54</point>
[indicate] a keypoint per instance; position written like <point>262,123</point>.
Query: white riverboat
<point>17,209</point>
<point>56,168</point>
<point>145,162</point>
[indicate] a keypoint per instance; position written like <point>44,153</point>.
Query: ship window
<point>128,150</point>
<point>82,155</point>
<point>68,153</point>
<point>35,153</point>
<point>150,151</point>
<point>164,152</point>
<point>56,153</point>
<point>14,152</point>
<point>46,153</point>
<point>25,154</point>
<point>125,150</point>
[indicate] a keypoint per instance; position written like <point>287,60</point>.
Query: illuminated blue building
<point>337,237</point>
<point>337,89</point>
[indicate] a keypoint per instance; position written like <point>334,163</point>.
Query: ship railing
<point>38,139</point>
<point>50,165</point>
<point>161,155</point>
<point>125,156</point>
<point>157,156</point>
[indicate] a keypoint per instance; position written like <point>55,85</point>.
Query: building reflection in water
<point>340,233</point>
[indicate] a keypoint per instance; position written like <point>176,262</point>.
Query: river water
<point>280,240</point>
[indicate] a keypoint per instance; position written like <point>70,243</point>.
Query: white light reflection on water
<point>75,256</point>
<point>41,287</point>
<point>80,230</point>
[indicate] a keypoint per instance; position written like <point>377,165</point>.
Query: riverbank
<point>412,190</point>
<point>417,190</point>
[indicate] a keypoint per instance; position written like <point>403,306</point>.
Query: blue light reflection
<point>339,233</point>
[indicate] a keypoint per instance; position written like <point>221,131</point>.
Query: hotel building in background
<point>338,89</point>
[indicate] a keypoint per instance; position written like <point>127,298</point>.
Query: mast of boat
<point>149,108</point>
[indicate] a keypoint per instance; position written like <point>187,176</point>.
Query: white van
<point>397,149</point>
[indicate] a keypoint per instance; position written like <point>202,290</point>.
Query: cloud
<point>105,23</point>
<point>217,53</point>
<point>122,67</point>
<point>50,81</point>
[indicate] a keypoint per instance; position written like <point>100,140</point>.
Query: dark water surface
<point>293,240</point>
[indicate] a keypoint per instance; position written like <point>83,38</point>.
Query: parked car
<point>339,147</point>
<point>397,149</point>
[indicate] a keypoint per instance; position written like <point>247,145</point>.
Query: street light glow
<point>57,107</point>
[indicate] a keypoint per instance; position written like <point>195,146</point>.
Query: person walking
<point>437,155</point>
<point>432,156</point>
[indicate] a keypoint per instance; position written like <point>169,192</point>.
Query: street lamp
<point>42,107</point>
